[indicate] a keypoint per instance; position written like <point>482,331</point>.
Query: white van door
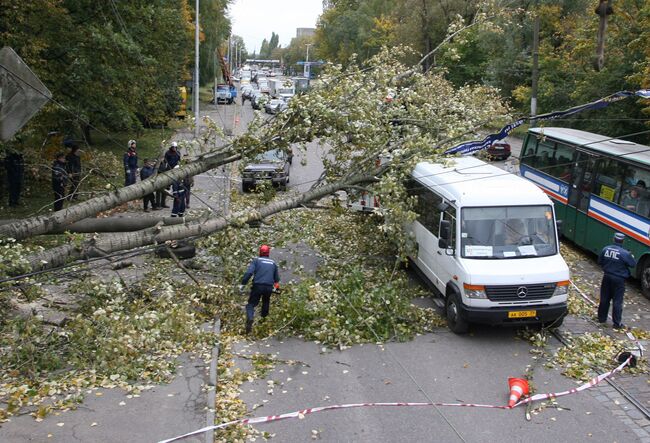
<point>427,248</point>
<point>446,265</point>
<point>426,234</point>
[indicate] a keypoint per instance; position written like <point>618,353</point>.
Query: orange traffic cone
<point>518,387</point>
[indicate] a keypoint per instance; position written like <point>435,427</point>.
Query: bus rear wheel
<point>644,278</point>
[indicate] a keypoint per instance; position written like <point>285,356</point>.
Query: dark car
<point>258,100</point>
<point>498,151</point>
<point>271,165</point>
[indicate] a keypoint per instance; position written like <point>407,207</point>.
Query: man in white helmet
<point>172,156</point>
<point>130,164</point>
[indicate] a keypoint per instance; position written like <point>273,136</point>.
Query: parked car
<point>259,100</point>
<point>274,106</point>
<point>498,151</point>
<point>271,165</point>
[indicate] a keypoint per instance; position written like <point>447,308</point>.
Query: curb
<point>212,383</point>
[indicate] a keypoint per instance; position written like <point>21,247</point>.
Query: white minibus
<point>488,241</point>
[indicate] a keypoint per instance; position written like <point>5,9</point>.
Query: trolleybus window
<point>554,159</point>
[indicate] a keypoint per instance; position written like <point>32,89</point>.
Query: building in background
<point>305,32</point>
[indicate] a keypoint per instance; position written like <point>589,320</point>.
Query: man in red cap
<point>266,279</point>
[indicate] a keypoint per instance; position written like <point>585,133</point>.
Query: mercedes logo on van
<point>522,292</point>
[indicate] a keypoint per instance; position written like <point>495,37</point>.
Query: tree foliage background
<point>117,64</point>
<point>500,55</point>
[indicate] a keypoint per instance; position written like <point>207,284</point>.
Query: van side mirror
<point>558,225</point>
<point>445,234</point>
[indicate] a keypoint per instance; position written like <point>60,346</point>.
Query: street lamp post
<point>197,119</point>
<point>307,65</point>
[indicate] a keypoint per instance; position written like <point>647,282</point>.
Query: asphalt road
<point>448,368</point>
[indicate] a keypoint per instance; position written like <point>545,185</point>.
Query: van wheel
<point>644,277</point>
<point>454,320</point>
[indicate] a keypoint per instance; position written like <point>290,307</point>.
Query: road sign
<point>22,94</point>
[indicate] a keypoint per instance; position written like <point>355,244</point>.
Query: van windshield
<point>508,232</point>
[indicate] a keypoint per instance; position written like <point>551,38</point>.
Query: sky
<point>254,20</point>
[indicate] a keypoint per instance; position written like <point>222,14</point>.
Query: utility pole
<point>535,73</point>
<point>307,70</point>
<point>196,75</point>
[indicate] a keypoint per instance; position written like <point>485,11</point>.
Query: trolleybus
<point>599,185</point>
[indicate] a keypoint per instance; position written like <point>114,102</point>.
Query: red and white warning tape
<point>301,414</point>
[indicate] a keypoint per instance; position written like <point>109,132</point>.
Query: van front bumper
<point>499,315</point>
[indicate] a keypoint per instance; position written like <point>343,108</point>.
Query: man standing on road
<point>266,279</point>
<point>59,180</point>
<point>146,172</point>
<point>15,168</point>
<point>616,263</point>
<point>172,156</point>
<point>161,194</point>
<point>178,192</point>
<point>73,167</point>
<point>130,164</point>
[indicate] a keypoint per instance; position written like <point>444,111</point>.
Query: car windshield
<point>274,155</point>
<point>508,232</point>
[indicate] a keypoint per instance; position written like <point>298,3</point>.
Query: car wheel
<point>452,309</point>
<point>245,188</point>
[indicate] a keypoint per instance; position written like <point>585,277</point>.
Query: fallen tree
<point>99,246</point>
<point>110,224</point>
<point>358,112</point>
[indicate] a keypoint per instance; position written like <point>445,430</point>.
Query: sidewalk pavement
<point>109,416</point>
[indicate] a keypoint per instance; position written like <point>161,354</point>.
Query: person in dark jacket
<point>188,182</point>
<point>616,263</point>
<point>130,164</point>
<point>73,168</point>
<point>161,195</point>
<point>146,172</point>
<point>178,192</point>
<point>266,280</point>
<point>59,180</point>
<point>172,156</point>
<point>15,168</point>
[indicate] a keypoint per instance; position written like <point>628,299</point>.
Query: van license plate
<point>521,314</point>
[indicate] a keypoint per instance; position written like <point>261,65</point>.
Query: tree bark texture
<point>102,245</point>
<point>59,220</point>
<point>111,224</point>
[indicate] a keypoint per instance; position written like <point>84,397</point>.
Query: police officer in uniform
<point>616,263</point>
<point>266,280</point>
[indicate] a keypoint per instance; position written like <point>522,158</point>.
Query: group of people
<point>180,190</point>
<point>66,176</point>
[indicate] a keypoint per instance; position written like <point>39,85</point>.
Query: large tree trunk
<point>111,224</point>
<point>43,224</point>
<point>103,245</point>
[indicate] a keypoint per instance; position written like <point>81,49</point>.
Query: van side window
<point>427,205</point>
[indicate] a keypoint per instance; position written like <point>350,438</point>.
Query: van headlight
<point>561,288</point>
<point>474,291</point>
